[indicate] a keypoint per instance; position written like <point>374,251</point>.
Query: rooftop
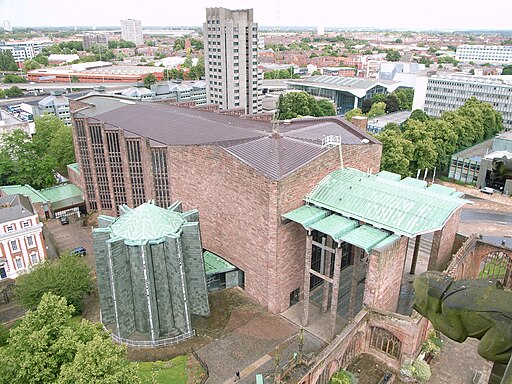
<point>146,222</point>
<point>14,207</point>
<point>354,85</point>
<point>252,141</point>
<point>25,190</point>
<point>400,207</point>
<point>214,264</point>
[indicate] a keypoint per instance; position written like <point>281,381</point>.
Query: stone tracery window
<point>386,342</point>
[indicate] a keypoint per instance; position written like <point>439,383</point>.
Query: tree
<point>2,94</point>
<point>149,80</point>
<point>353,112</point>
<point>41,59</point>
<point>396,152</point>
<point>14,79</point>
<point>326,107</point>
<point>377,109</point>
<point>391,102</point>
<point>366,105</point>
<point>49,347</point>
<point>316,72</point>
<point>299,104</point>
<point>13,92</point>
<point>393,55</point>
<point>31,64</point>
<point>424,149</point>
<point>68,277</point>
<point>419,115</point>
<point>405,97</point>
<point>7,62</point>
<point>507,70</point>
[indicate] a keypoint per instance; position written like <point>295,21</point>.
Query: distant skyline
<point>435,14</point>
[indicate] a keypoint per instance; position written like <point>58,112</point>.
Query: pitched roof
<point>395,206</point>
<point>14,207</point>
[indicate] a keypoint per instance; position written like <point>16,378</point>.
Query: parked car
<point>64,220</point>
<point>487,190</point>
<point>79,251</point>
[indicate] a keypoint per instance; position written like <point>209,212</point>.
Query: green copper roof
<point>25,190</point>
<point>389,175</point>
<point>414,182</point>
<point>387,241</point>
<point>394,206</point>
<point>334,226</point>
<point>442,190</point>
<point>365,237</point>
<point>74,167</point>
<point>62,192</point>
<point>214,264</point>
<point>147,222</point>
<point>306,215</point>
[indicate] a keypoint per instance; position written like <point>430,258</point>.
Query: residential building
<point>499,54</point>
<point>7,26</point>
<point>131,30</point>
<point>91,39</point>
<point>56,104</point>
<point>339,71</point>
<point>346,92</point>
<point>439,93</point>
<point>129,152</point>
<point>21,238</point>
<point>151,276</point>
<point>96,72</point>
<point>231,59</point>
<point>24,50</point>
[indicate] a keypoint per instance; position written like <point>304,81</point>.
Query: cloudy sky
<point>432,14</point>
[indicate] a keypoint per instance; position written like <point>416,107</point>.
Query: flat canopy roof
<point>214,264</point>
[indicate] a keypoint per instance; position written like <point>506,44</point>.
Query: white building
<point>501,54</point>
<point>21,238</point>
<point>440,93</point>
<point>7,26</point>
<point>131,30</point>
<point>56,104</point>
<point>25,50</point>
<point>231,59</point>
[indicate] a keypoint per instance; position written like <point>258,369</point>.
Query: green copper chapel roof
<point>396,206</point>
<point>147,222</point>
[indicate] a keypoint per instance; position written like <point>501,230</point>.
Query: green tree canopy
<point>14,91</point>
<point>299,104</point>
<point>507,70</point>
<point>7,62</point>
<point>353,112</point>
<point>31,64</point>
<point>393,55</point>
<point>405,97</point>
<point>68,277</point>
<point>419,115</point>
<point>396,151</point>
<point>48,346</point>
<point>424,150</point>
<point>149,80</point>
<point>10,78</point>
<point>377,109</point>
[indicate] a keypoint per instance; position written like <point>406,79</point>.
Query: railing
<point>152,344</point>
<point>203,365</point>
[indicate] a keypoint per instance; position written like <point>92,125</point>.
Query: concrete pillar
<point>335,289</point>
<point>415,254</point>
<point>327,272</point>
<point>307,276</point>
<point>355,279</point>
<point>356,100</point>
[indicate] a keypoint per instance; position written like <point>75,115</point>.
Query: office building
<point>440,93</point>
<point>497,54</point>
<point>346,92</point>
<point>151,277</point>
<point>131,30</point>
<point>24,50</point>
<point>231,59</point>
<point>56,104</point>
<point>7,26</point>
<point>91,39</point>
<point>21,237</point>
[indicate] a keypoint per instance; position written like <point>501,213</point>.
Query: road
<point>472,215</point>
<point>49,86</point>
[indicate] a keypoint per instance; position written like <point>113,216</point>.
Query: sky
<point>390,14</point>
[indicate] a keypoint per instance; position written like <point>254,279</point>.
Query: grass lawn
<point>171,371</point>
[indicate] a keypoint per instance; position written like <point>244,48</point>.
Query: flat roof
<point>25,190</point>
<point>61,192</point>
<point>254,142</point>
<point>214,264</point>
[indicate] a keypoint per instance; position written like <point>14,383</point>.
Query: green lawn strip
<point>171,371</point>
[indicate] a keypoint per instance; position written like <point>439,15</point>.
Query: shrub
<point>343,377</point>
<point>421,370</point>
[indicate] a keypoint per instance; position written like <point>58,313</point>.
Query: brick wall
<point>442,243</point>
<point>384,276</point>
